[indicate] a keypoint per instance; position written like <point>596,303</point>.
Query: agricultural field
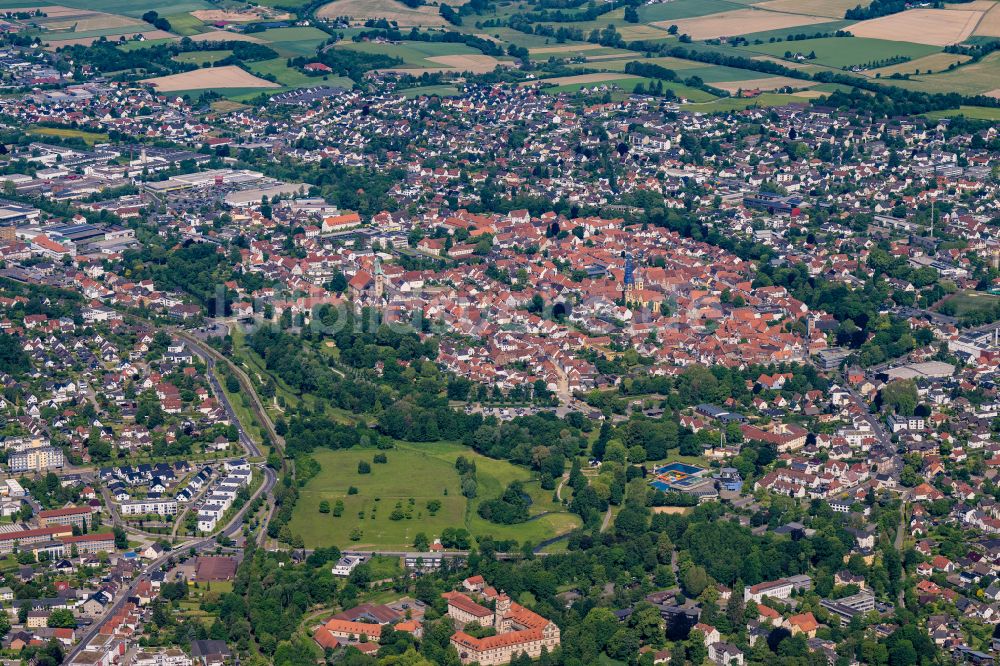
<point>413,54</point>
<point>936,62</point>
<point>834,9</point>
<point>124,7</point>
<point>683,9</point>
<point>769,83</point>
<point>214,78</point>
<point>724,104</point>
<point>186,25</point>
<point>421,472</point>
<point>677,64</point>
<point>937,27</point>
<point>66,133</point>
<point>974,112</point>
<point>978,78</point>
<point>740,22</point>
<point>361,10</point>
<point>225,36</point>
<point>420,57</point>
<point>430,91</point>
<point>293,78</point>
<point>989,26</point>
<point>839,52</point>
<point>292,42</point>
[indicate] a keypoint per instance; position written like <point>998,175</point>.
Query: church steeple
<point>633,280</point>
<point>379,278</point>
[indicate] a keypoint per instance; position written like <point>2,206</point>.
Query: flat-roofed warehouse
<point>927,369</point>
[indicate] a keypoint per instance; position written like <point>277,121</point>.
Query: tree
<point>121,538</point>
<point>900,396</point>
<point>697,653</point>
<point>695,580</point>
<point>62,618</point>
<point>364,468</point>
<point>421,542</point>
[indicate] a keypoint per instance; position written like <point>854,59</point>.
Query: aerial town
<point>341,339</point>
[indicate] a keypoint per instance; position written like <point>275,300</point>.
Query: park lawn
<point>67,132</point>
<point>201,57</point>
<point>838,52</point>
<point>967,302</point>
<point>493,476</point>
<point>422,471</point>
<point>407,474</point>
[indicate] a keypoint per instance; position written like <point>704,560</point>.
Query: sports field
<point>201,57</point>
<point>422,472</point>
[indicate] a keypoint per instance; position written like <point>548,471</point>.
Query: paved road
<point>232,528</point>
<point>256,406</point>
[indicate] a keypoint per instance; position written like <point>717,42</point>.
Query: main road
<point>210,356</point>
<point>232,528</point>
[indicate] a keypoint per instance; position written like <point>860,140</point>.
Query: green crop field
<point>414,54</point>
<point>293,78</point>
<point>811,29</point>
<point>681,9</point>
<point>291,42</point>
<point>737,103</point>
<point>840,52</point>
<point>125,7</point>
<point>185,24</point>
<point>440,91</point>
<point>677,64</point>
<point>421,472</point>
<point>976,112</point>
<point>972,79</point>
<point>66,133</point>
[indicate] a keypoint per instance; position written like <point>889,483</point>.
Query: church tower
<point>379,279</point>
<point>632,284</point>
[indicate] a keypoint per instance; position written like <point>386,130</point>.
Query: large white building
<point>37,460</point>
<point>160,507</point>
